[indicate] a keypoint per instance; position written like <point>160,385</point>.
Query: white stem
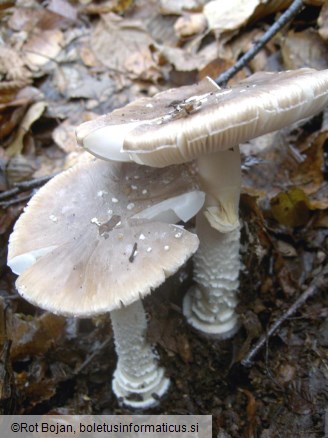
<point>137,376</point>
<point>220,178</point>
<point>210,305</point>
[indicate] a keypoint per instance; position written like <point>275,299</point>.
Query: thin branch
<point>7,204</point>
<point>92,356</point>
<point>287,16</point>
<point>319,282</point>
<point>26,185</point>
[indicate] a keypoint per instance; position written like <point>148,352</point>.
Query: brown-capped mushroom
<point>97,238</point>
<point>206,123</point>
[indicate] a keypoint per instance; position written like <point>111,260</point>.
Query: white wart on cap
<point>92,239</point>
<point>181,124</point>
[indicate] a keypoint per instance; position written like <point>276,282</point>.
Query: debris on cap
<point>181,124</point>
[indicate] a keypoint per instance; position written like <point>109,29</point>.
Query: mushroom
<point>97,238</point>
<point>206,123</point>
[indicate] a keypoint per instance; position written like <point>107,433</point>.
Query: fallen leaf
<point>20,168</point>
<point>118,6</point>
<point>190,24</point>
<point>182,60</point>
<point>323,22</point>
<point>9,120</point>
<point>268,7</point>
<point>42,47</point>
<point>286,249</point>
<point>141,66</point>
<point>227,16</point>
<point>33,113</point>
<point>63,8</point>
<point>177,7</point>
<point>291,208</point>
<point>114,40</point>
<point>304,49</point>
<point>12,67</point>
<point>64,137</point>
<point>32,336</point>
<point>74,81</point>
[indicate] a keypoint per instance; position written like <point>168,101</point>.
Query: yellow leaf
<point>291,208</point>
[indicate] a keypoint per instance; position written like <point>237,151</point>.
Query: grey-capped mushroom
<point>206,123</point>
<point>99,237</point>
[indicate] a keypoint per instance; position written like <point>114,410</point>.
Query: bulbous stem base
<point>137,380</point>
<point>210,324</point>
<point>210,305</point>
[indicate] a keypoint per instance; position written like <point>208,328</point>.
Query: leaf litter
<point>64,62</point>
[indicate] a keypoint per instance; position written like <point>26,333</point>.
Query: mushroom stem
<point>220,178</point>
<point>138,379</point>
<point>210,305</point>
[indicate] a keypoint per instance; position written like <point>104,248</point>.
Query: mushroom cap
<point>181,124</point>
<point>86,243</point>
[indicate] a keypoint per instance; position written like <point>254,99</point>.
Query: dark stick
<point>318,282</point>
<point>287,16</point>
<point>26,185</point>
<point>92,355</point>
<point>6,204</point>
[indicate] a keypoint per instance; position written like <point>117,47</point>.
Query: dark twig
<point>92,356</point>
<point>7,204</point>
<point>26,185</point>
<point>287,16</point>
<point>319,282</point>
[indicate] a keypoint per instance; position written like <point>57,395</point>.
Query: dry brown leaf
<point>214,68</point>
<point>88,57</point>
<point>64,137</point>
<point>114,40</point>
<point>322,220</point>
<point>308,174</point>
<point>24,19</point>
<point>159,26</point>
<point>226,16</point>
<point>74,81</point>
<point>142,66</point>
<point>42,47</point>
<point>267,7</point>
<point>32,18</point>
<point>229,50</point>
<point>286,249</point>
<point>304,49</point>
<point>323,22</point>
<point>33,336</point>
<point>183,60</point>
<point>117,6</point>
<point>190,24</point>
<point>33,113</point>
<point>20,168</point>
<point>63,8</point>
<point>9,120</point>
<point>314,2</point>
<point>12,66</point>
<point>177,7</point>
<point>320,204</point>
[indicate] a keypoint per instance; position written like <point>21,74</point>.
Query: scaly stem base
<point>210,305</point>
<point>137,380</point>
